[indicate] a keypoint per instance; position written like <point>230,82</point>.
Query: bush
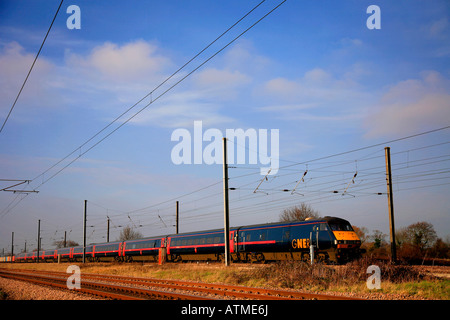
<point>295,274</point>
<point>395,273</point>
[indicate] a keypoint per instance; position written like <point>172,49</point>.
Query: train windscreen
<point>340,226</point>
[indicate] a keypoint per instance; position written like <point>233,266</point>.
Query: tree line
<point>414,242</point>
<point>127,233</point>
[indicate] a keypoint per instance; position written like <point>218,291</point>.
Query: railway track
<point>108,290</point>
<point>132,288</point>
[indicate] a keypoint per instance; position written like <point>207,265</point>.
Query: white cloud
<point>220,79</point>
<point>134,61</point>
<point>180,110</point>
<point>243,56</point>
<point>282,87</point>
<point>317,75</point>
<point>220,85</point>
<point>411,105</point>
<point>437,33</point>
<point>124,74</point>
<point>439,28</point>
<point>37,94</point>
<point>110,78</point>
<point>316,85</point>
<point>316,96</point>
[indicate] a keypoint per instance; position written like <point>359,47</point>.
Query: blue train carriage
<point>197,246</point>
<point>76,253</point>
<point>147,249</point>
<point>48,255</point>
<point>261,243</point>
<point>333,239</point>
<point>110,251</point>
<point>31,256</point>
<point>64,254</point>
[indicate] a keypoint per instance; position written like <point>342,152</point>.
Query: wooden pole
<point>226,212</point>
<point>84,231</point>
<point>176,224</point>
<point>390,203</point>
<point>38,239</point>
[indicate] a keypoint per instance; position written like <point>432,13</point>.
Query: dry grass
<point>323,277</point>
<point>396,279</point>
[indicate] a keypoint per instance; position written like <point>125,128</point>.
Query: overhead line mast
<point>226,205</point>
<point>391,204</point>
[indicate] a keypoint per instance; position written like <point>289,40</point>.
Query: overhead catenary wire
<point>324,191</point>
<point>294,163</point>
<point>42,175</point>
<point>324,177</point>
<point>315,195</point>
<point>363,188</point>
<point>159,96</point>
<point>78,149</point>
<point>31,68</point>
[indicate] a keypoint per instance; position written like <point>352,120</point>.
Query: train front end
<point>346,243</point>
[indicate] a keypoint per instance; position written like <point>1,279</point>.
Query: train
<point>333,241</point>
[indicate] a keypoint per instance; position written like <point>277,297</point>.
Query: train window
<point>323,227</point>
<point>262,236</point>
<point>248,237</point>
<point>340,226</point>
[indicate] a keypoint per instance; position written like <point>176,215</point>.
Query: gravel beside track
<point>108,290</point>
<point>173,289</point>
<point>20,290</point>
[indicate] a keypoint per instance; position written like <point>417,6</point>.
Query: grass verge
<point>399,281</point>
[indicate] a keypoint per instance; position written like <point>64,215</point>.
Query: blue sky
<point>311,69</point>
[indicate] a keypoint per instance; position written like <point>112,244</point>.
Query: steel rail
<point>227,291</point>
<point>106,290</point>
